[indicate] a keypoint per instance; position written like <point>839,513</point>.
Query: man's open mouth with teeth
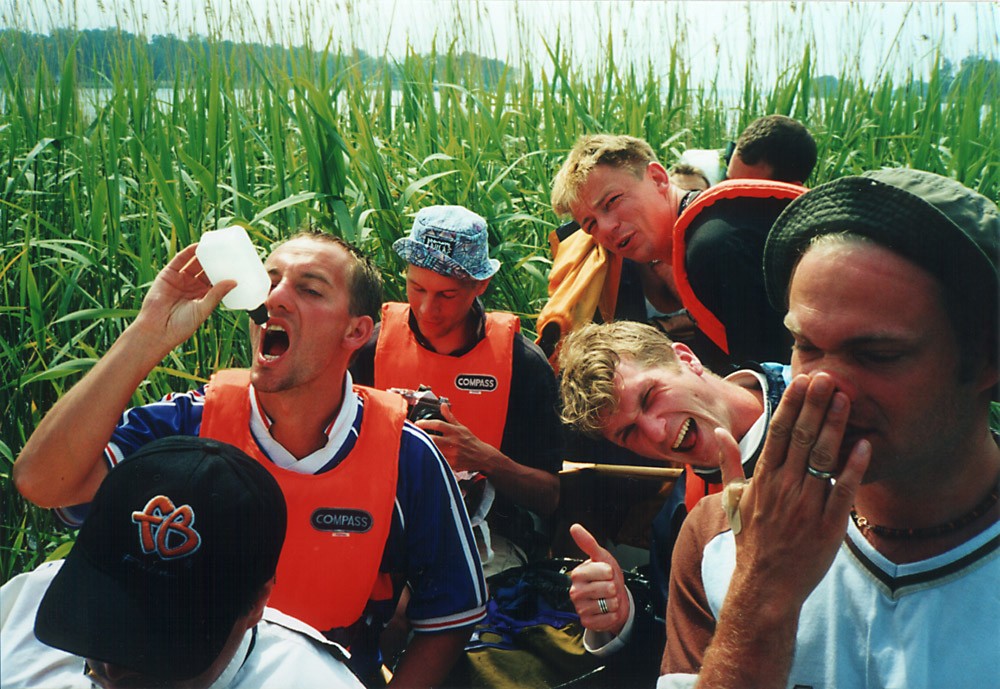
<point>273,342</point>
<point>687,436</point>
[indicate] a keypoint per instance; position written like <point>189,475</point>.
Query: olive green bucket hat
<point>936,222</point>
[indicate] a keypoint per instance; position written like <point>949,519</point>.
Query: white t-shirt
<point>871,622</point>
<point>286,653</point>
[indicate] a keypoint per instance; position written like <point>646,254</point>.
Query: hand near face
<point>599,578</point>
<point>180,299</point>
<point>792,521</point>
<point>463,450</point>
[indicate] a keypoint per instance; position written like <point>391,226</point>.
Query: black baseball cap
<point>180,540</point>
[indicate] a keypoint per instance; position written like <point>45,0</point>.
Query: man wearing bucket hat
<point>167,585</point>
<point>864,550</point>
<point>501,422</point>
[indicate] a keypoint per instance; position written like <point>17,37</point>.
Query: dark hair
<point>365,281</point>
<point>688,169</point>
<point>781,142</point>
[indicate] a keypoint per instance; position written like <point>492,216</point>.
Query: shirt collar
<point>336,433</point>
<point>239,659</point>
<point>753,440</point>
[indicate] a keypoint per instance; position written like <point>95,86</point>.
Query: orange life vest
<point>584,279</point>
<point>477,384</point>
<point>706,321</point>
<point>338,521</point>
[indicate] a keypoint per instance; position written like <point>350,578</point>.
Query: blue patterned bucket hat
<point>449,240</point>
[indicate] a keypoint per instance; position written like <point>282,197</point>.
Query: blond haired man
<point>619,193</point>
<point>628,383</point>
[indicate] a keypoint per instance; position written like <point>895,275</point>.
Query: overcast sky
<point>718,38</point>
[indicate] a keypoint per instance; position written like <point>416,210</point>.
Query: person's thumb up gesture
<point>598,588</point>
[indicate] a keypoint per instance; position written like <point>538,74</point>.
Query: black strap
<point>688,198</point>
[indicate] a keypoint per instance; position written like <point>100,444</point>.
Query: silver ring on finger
<point>816,473</point>
<point>602,604</point>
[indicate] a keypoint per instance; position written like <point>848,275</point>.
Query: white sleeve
<point>676,681</point>
<point>604,644</point>
<point>289,653</point>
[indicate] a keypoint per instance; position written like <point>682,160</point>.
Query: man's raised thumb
<point>730,461</point>
<point>589,545</point>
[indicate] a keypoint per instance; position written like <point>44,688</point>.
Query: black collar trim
<point>900,586</point>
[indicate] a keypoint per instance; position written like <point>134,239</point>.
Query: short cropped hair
<point>620,151</point>
<point>587,363</point>
<point>781,142</point>
<point>364,282</point>
<point>688,169</point>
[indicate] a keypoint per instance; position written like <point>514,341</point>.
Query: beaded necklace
<point>930,531</point>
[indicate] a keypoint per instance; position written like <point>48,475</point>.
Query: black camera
<point>422,403</point>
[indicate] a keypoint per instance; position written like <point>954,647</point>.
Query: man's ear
<point>989,377</point>
<point>481,287</point>
<point>359,332</point>
<point>658,174</point>
<point>687,357</point>
<point>257,611</point>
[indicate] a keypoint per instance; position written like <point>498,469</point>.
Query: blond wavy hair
<point>615,150</point>
<point>587,363</point>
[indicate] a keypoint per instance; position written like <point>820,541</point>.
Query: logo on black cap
<point>166,530</point>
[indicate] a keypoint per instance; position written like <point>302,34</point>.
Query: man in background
<point>688,177</point>
<point>620,194</point>
<point>773,147</point>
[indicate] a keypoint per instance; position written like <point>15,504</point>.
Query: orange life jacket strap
<point>707,321</point>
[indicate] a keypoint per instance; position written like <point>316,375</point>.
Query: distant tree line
<point>98,52</point>
<point>972,69</point>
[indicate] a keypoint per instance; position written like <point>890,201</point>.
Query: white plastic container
<point>228,254</point>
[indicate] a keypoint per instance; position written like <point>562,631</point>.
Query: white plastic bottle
<point>228,254</point>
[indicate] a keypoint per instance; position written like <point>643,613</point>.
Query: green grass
<point>97,196</point>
